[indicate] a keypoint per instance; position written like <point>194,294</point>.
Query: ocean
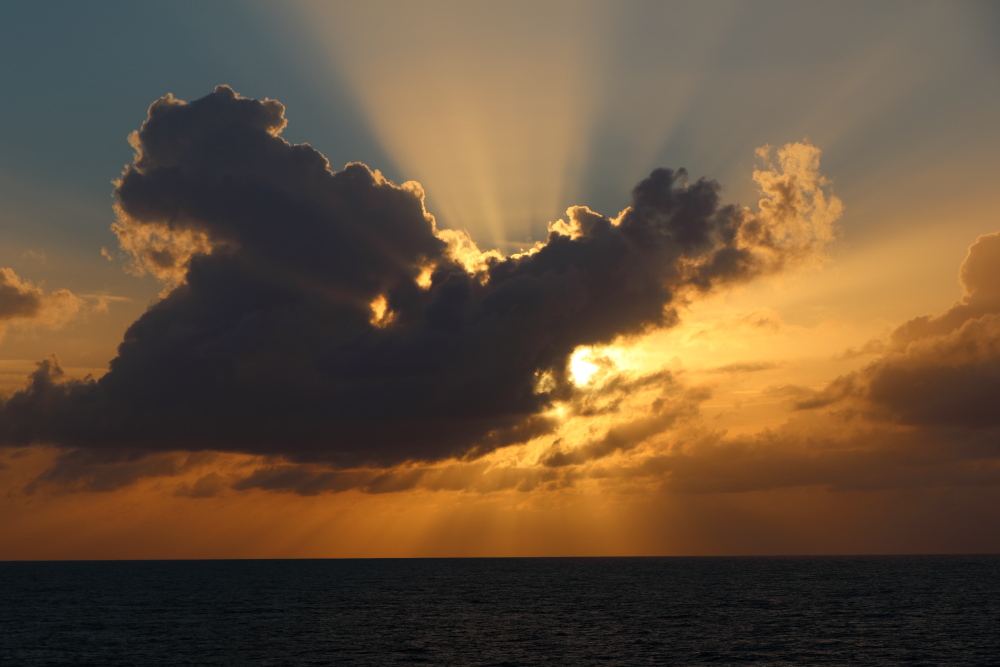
<point>877,610</point>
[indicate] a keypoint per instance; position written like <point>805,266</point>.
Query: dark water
<point>580,611</point>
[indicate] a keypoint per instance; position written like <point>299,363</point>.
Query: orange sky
<point>834,395</point>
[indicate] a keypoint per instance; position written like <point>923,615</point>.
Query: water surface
<point>918,610</point>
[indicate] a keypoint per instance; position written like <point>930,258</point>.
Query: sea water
<point>916,610</point>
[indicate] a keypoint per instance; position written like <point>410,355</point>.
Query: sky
<point>319,279</point>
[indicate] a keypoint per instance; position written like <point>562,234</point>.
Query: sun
<point>581,367</point>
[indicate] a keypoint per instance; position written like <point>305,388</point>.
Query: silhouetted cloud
<point>473,477</point>
<point>321,316</point>
<point>831,453</point>
<point>939,370</point>
<point>921,416</point>
<point>24,303</point>
<point>866,431</point>
<point>108,470</point>
<point>945,370</point>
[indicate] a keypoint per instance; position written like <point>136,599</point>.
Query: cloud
<point>323,317</point>
<point>951,379</point>
<point>941,370</point>
<point>104,471</point>
<point>919,417</point>
<point>677,454</point>
<point>923,414</point>
<point>207,486</point>
<point>673,407</point>
<point>469,477</point>
<point>828,452</point>
<point>24,304</point>
<point>745,367</point>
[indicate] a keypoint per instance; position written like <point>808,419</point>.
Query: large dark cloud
<point>270,338</point>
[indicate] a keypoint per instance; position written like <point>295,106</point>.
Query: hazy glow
<point>592,364</point>
<point>489,112</point>
<point>147,520</point>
